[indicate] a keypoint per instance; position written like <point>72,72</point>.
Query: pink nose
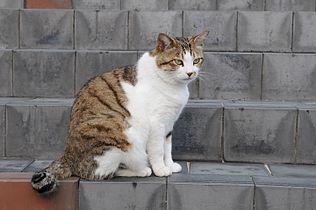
<point>189,73</point>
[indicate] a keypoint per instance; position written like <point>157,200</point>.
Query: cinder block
<point>96,4</point>
<point>48,73</point>
<point>144,4</point>
<point>11,4</point>
<point>306,142</point>
<point>91,63</point>
<point>298,171</point>
<point>192,5</point>
<point>264,31</point>
<point>101,29</point>
<point>37,129</point>
<point>9,28</point>
<point>254,5</point>
<point>2,130</point>
<point>187,192</point>
<point>48,4</point>
<point>145,26</point>
<point>5,73</point>
<point>197,133</point>
<point>16,186</point>
<point>289,77</point>
<point>304,32</point>
<point>259,133</point>
<point>194,89</point>
<point>231,76</point>
<point>290,5</point>
<point>13,165</point>
<point>221,25</point>
<point>229,169</point>
<point>284,193</point>
<point>46,29</point>
<point>123,193</point>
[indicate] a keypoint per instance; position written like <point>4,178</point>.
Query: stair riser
<point>244,76</point>
<point>203,132</point>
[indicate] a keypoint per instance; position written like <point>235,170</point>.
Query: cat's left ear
<point>198,39</point>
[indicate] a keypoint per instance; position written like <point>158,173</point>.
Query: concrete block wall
<point>250,55</point>
<point>257,50</point>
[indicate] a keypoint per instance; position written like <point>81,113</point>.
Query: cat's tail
<point>45,181</point>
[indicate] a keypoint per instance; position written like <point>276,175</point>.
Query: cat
<point>121,121</point>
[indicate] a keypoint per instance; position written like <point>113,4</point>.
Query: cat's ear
<point>198,39</point>
<point>164,42</point>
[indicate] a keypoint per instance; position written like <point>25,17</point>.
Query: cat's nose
<point>189,73</point>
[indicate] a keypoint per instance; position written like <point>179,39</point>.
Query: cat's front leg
<point>174,167</point>
<point>155,149</point>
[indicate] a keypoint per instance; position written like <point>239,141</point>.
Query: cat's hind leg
<point>129,173</point>
<point>108,163</point>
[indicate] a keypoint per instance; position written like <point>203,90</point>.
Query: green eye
<point>197,60</point>
<point>179,62</point>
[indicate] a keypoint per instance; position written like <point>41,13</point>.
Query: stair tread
<point>190,169</point>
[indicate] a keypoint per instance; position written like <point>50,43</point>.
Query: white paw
<point>175,167</point>
<point>162,171</point>
<point>145,172</point>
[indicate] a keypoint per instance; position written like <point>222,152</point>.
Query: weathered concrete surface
<point>221,27</point>
<point>11,4</point>
<point>259,133</point>
<point>289,77</point>
<point>145,26</point>
<point>264,31</point>
<point>306,141</point>
<point>37,128</point>
<point>304,32</point>
<point>228,169</point>
<point>231,76</point>
<point>101,29</point>
<point>144,4</point>
<point>253,5</point>
<point>290,5</point>
<point>5,73</point>
<point>48,73</point>
<point>96,4</point>
<point>123,193</point>
<point>9,23</point>
<point>11,165</point>
<point>197,133</point>
<point>284,193</point>
<point>187,192</point>
<point>192,5</point>
<point>48,29</point>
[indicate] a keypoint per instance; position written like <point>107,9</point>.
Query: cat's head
<point>179,58</point>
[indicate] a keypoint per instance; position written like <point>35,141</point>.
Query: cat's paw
<point>145,172</point>
<point>162,171</point>
<point>175,167</point>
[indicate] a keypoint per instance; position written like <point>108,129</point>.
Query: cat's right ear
<point>164,42</point>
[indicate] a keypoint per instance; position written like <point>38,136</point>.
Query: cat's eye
<point>197,60</point>
<point>179,62</point>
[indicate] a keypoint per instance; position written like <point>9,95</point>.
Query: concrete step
<point>254,5</point>
<point>265,132</point>
<point>267,31</point>
<point>225,75</point>
<point>201,185</point>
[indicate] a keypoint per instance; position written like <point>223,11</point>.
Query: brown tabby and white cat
<point>121,121</point>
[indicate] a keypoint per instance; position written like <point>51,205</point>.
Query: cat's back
<point>99,111</point>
